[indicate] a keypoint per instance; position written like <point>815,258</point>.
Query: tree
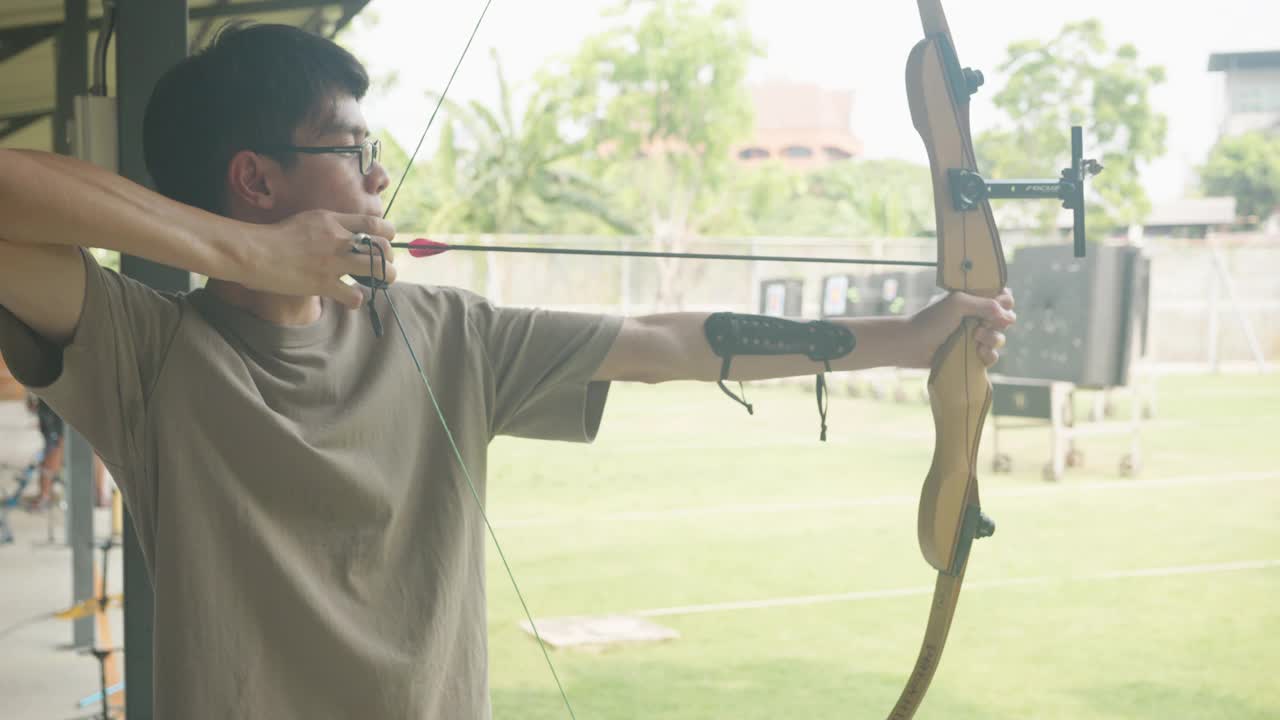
<point>887,198</point>
<point>662,99</point>
<point>500,175</point>
<point>1246,167</point>
<point>1075,79</point>
<point>890,198</point>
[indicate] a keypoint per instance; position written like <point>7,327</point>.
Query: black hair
<point>251,87</point>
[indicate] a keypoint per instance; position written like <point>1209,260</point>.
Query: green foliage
<point>852,198</point>
<point>1246,167</point>
<point>662,97</point>
<point>107,258</point>
<point>633,134</point>
<point>493,174</point>
<point>1076,79</point>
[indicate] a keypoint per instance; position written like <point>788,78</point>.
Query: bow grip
<point>960,396</point>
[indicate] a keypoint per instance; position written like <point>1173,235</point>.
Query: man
<point>52,432</point>
<point>310,535</point>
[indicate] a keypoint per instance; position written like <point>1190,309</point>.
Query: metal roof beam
<point>252,8</point>
<point>11,124</point>
<point>20,37</point>
<point>17,39</point>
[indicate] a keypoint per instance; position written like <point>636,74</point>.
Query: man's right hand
<point>310,253</point>
<point>49,204</point>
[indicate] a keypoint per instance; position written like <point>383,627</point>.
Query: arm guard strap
<point>732,334</point>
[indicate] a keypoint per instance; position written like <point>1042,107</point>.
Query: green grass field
<point>1098,597</point>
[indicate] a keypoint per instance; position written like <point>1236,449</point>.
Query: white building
<point>1252,90</point>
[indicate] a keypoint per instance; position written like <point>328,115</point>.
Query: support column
<point>72,78</point>
<point>151,36</point>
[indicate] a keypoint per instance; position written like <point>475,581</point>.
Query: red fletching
<point>422,247</point>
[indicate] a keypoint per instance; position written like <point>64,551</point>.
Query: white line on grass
<point>975,585</point>
<point>836,504</point>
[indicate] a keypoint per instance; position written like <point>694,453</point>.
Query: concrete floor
<point>41,676</point>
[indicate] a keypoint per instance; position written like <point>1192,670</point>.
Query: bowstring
<point>439,102</point>
<point>480,505</point>
<point>422,373</point>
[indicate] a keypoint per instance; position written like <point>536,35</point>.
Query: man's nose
<point>378,178</point>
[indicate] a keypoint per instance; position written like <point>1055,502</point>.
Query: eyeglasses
<point>369,151</point>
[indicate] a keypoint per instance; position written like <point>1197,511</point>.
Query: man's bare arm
<point>660,348</point>
<point>50,204</point>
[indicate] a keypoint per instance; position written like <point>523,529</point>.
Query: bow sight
<point>969,189</point>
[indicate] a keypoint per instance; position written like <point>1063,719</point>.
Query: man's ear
<point>254,180</point>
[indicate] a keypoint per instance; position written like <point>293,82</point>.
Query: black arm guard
<point>731,334</point>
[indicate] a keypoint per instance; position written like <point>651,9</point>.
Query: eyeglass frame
<point>375,151</point>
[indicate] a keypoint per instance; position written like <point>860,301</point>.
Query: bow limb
<point>933,19</point>
<point>970,259</point>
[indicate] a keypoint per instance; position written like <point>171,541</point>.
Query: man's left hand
<point>931,326</point>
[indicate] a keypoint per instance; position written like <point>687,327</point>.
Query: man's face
<point>333,181</point>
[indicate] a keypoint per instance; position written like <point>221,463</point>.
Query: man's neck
<point>287,310</point>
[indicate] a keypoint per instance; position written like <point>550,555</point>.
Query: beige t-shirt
<point>313,545</point>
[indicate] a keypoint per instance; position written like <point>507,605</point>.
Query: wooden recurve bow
<point>971,260</point>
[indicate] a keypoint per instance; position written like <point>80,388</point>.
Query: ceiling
<point>27,53</point>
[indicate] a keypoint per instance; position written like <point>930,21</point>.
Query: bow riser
<point>960,396</point>
<point>970,257</point>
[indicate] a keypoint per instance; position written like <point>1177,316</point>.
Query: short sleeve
<point>542,363</point>
<point>99,383</point>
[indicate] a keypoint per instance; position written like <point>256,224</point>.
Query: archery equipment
<point>970,259</point>
<point>731,334</point>
<point>422,248</point>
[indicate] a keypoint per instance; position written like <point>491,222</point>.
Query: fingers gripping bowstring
<point>375,280</point>
<point>453,445</point>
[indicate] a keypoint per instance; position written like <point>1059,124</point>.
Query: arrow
<point>422,247</point>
